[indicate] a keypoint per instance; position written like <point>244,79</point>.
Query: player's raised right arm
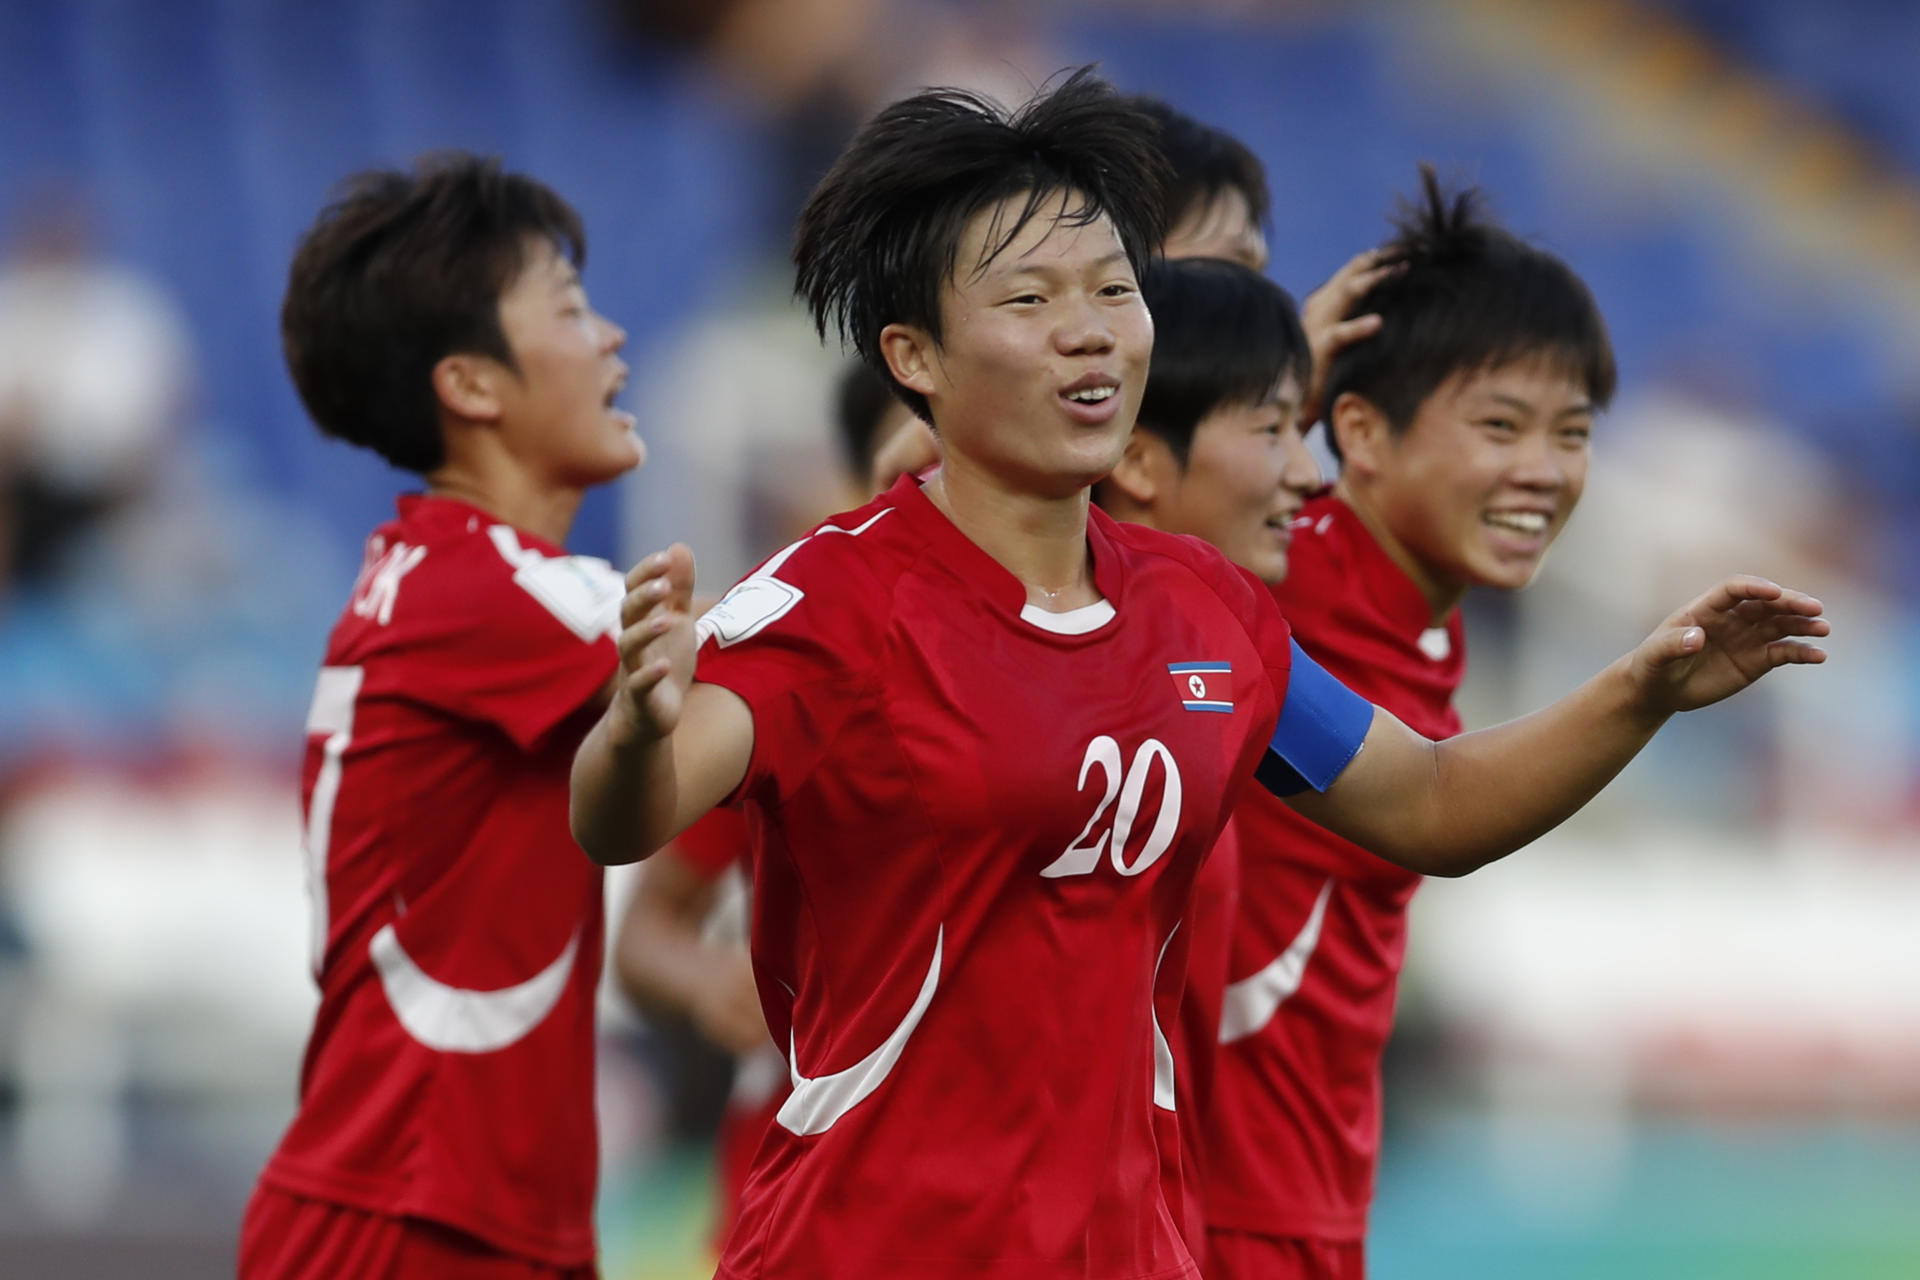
<point>666,750</point>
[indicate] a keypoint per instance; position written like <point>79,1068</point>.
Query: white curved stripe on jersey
<point>818,1102</point>
<point>772,567</point>
<point>763,597</point>
<point>1073,622</point>
<point>1252,1001</point>
<point>455,1019</point>
<point>1163,1095</point>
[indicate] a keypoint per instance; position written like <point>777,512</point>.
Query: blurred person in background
<point>1463,429</point>
<point>1218,453</point>
<point>901,707</point>
<point>96,371</point>
<point>681,947</point>
<point>446,1122</point>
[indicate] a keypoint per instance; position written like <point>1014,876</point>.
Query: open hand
<point>1726,640</point>
<point>656,647</point>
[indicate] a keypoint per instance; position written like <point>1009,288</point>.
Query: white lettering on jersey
<point>583,592</point>
<point>379,585</point>
<point>331,714</point>
<point>457,1020</point>
<point>1080,858</point>
<point>1251,1002</point>
<point>818,1102</point>
<point>1163,1092</point>
<point>761,599</point>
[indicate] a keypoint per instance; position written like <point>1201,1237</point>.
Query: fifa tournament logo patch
<point>1203,686</point>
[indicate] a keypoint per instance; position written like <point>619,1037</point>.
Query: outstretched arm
<point>666,749</point>
<point>1447,808</point>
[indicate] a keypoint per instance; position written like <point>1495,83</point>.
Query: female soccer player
<point>1463,426</point>
<point>446,1119</point>
<point>985,735</point>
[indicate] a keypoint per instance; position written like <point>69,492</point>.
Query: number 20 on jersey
<point>1126,782</point>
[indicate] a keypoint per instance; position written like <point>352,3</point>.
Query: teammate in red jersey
<point>446,1120</point>
<point>1218,453</point>
<point>984,736</point>
<point>1463,428</point>
<point>681,945</point>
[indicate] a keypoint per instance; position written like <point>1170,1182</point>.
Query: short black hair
<point>860,400</point>
<point>1469,296</point>
<point>1204,163</point>
<point>401,269</point>
<point>1223,334</point>
<point>880,236</point>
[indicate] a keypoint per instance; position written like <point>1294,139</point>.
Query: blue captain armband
<point>1322,724</point>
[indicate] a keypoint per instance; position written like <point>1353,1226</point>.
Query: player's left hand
<point>1726,640</point>
<point>1324,317</point>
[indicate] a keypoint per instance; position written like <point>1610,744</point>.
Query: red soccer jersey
<point>977,826</point>
<point>1294,1132</point>
<point>1210,916</point>
<point>450,1072</point>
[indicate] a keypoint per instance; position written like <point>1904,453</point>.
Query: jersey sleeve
<point>514,637</point>
<point>1322,726</point>
<point>1322,722</point>
<point>714,843</point>
<point>793,640</point>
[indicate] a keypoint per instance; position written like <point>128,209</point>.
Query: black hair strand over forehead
<point>1224,335</point>
<point>1469,297</point>
<point>880,237</point>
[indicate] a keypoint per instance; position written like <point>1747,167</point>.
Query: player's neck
<point>510,494</point>
<point>1040,541</point>
<point>1441,596</point>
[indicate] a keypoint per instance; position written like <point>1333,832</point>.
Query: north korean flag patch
<point>1203,686</point>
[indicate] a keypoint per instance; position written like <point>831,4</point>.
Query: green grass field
<point>1672,1201</point>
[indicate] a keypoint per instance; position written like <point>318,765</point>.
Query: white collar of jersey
<point>1074,622</point>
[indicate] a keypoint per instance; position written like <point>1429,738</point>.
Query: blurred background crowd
<point>1683,1041</point>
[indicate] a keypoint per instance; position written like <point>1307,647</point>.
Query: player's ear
<point>466,386</point>
<point>1362,432</point>
<point>1146,470</point>
<point>910,355</point>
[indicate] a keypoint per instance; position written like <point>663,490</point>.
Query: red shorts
<point>290,1237</point>
<point>1243,1255</point>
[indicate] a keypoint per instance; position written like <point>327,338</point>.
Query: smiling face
<point>1248,473</point>
<point>1037,378</point>
<point>556,407</point>
<point>1482,480</point>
